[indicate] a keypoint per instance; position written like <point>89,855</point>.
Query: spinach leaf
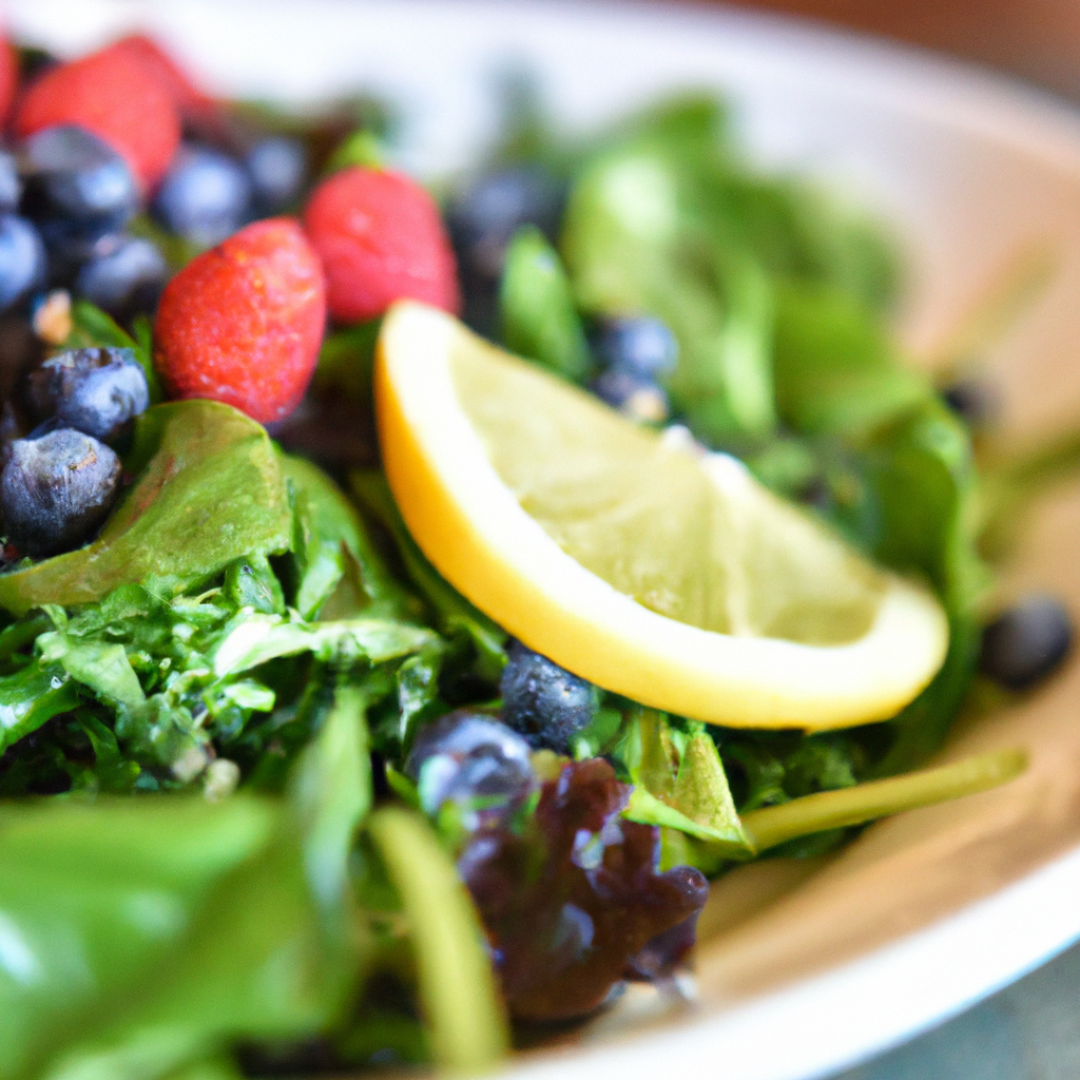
<point>837,368</point>
<point>539,320</point>
<point>208,490</point>
<point>94,898</point>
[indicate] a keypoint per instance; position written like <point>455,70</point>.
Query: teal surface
<point>1029,1031</point>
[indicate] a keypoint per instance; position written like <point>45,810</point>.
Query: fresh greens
<point>268,647</point>
<point>208,490</point>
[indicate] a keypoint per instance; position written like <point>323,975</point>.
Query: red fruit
<point>114,95</point>
<point>243,323</point>
<point>186,95</point>
<point>9,77</point>
<point>380,238</point>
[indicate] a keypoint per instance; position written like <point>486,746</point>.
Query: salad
<point>411,600</point>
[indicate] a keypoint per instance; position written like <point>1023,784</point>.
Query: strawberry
<point>243,322</point>
<point>380,238</point>
<point>9,77</point>
<point>112,94</point>
<point>188,98</point>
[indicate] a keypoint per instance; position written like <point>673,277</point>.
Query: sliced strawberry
<point>243,323</point>
<point>380,238</point>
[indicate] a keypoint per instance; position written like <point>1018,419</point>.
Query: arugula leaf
<point>254,639</point>
<point>208,490</point>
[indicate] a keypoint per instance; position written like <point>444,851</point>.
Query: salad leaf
<point>539,319</point>
<point>826,810</point>
<point>328,541</point>
<point>94,898</point>
<point>31,697</point>
<point>455,617</point>
<point>333,793</point>
<point>457,987</point>
<point>208,490</point>
<point>836,367</point>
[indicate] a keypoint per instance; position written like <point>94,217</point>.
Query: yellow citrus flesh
<point>672,578</point>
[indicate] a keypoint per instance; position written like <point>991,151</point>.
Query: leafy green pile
<point>253,650</point>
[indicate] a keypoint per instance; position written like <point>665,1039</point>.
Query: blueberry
<point>22,259</point>
<point>56,491</point>
<point>977,403</point>
<point>483,218</point>
<point>277,167</point>
<point>10,184</point>
<point>544,702</point>
<point>639,398</point>
<point>124,277</point>
<point>76,184</point>
<point>472,760</point>
<point>96,391</point>
<point>487,213</point>
<point>1027,642</point>
<point>641,346</point>
<point>205,197</point>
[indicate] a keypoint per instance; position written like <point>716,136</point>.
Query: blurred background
<point>1036,39</point>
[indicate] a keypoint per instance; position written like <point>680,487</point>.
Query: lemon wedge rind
<point>473,529</point>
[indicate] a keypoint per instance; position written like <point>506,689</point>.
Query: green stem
<point>880,798</point>
<point>457,986</point>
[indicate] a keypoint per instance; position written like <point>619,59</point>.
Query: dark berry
<point>123,277</point>
<point>76,182</point>
<point>472,760</point>
<point>642,346</point>
<point>205,197</point>
<point>487,213</point>
<point>483,217</point>
<point>1027,642</point>
<point>544,702</point>
<point>56,491</point>
<point>277,167</point>
<point>10,184</point>
<point>115,96</point>
<point>977,403</point>
<point>22,259</point>
<point>639,398</point>
<point>96,391</point>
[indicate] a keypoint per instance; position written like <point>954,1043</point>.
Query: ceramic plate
<point>803,968</point>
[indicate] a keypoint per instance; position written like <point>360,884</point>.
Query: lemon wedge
<point>629,558</point>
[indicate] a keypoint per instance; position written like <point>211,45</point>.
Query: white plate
<point>970,168</point>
